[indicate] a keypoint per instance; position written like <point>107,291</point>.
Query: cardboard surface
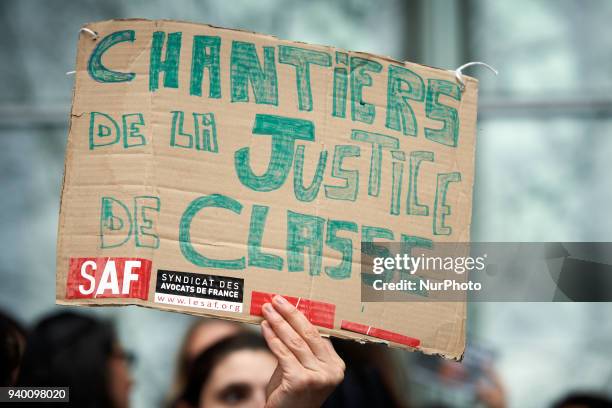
<point>208,168</point>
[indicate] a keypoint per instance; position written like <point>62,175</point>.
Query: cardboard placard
<point>209,168</point>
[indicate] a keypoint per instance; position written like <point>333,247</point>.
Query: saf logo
<point>108,277</point>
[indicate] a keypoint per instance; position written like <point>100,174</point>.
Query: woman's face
<point>120,379</point>
<point>239,380</point>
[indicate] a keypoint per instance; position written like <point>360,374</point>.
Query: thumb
<point>275,381</point>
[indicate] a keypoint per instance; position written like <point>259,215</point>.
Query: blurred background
<point>543,158</point>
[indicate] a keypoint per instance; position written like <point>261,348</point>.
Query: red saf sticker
<point>92,278</point>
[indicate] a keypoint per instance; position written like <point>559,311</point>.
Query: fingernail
<point>268,308</point>
<point>280,300</point>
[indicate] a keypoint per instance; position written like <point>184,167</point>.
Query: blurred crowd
<point>225,364</point>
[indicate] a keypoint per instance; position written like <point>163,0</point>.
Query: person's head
<point>12,344</point>
<point>80,352</point>
<point>201,335</point>
<point>584,400</point>
<point>232,373</point>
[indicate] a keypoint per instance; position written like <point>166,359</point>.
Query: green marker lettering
<point>284,131</point>
<point>245,68</point>
<point>412,201</point>
<point>398,176</point>
<point>257,257</point>
<point>378,142</point>
<point>170,66</point>
<point>205,132</point>
<point>103,130</point>
<point>97,71</point>
<point>403,85</point>
<point>342,245</point>
<point>307,194</point>
<point>187,248</point>
<point>340,84</point>
<point>304,232</point>
<point>351,177</point>
<point>115,223</point>
<point>143,223</point>
<point>178,137</point>
<point>360,110</point>
<point>205,55</point>
<point>301,59</point>
<point>369,247</point>
<point>449,133</point>
<point>441,210</point>
<point>131,130</point>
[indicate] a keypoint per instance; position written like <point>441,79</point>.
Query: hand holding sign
<point>308,367</point>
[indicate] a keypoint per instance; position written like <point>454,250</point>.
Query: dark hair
<point>372,377</point>
<point>12,341</point>
<point>584,399</point>
<point>184,360</point>
<point>204,364</point>
<point>70,350</point>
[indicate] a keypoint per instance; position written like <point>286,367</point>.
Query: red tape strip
<point>380,333</point>
<point>318,313</point>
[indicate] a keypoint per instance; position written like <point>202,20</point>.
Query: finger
<point>275,381</point>
<point>286,359</point>
<point>335,359</point>
<point>302,326</point>
<point>289,336</point>
<point>329,346</point>
<point>333,354</point>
